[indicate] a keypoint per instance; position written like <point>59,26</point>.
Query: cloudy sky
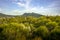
<point>16,7</point>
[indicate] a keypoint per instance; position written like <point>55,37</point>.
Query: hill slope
<point>4,15</point>
<point>31,14</point>
<point>25,15</point>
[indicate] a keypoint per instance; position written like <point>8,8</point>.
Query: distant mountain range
<point>4,15</point>
<point>25,15</point>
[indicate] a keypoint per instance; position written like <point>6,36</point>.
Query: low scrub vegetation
<point>30,28</point>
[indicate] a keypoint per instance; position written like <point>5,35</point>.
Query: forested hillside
<point>30,28</point>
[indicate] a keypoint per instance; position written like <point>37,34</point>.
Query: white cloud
<point>0,10</point>
<point>54,8</point>
<point>17,12</point>
<point>49,10</point>
<point>25,5</point>
<point>21,4</point>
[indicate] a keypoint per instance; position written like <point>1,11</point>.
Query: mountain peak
<point>32,14</point>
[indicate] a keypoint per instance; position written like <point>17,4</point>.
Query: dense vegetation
<point>30,28</point>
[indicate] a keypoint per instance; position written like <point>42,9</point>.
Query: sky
<point>18,7</point>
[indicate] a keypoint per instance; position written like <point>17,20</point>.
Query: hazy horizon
<point>18,7</point>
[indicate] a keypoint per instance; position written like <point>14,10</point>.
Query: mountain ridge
<point>25,15</point>
<point>31,14</point>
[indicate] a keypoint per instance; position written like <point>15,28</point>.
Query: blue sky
<point>18,7</point>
